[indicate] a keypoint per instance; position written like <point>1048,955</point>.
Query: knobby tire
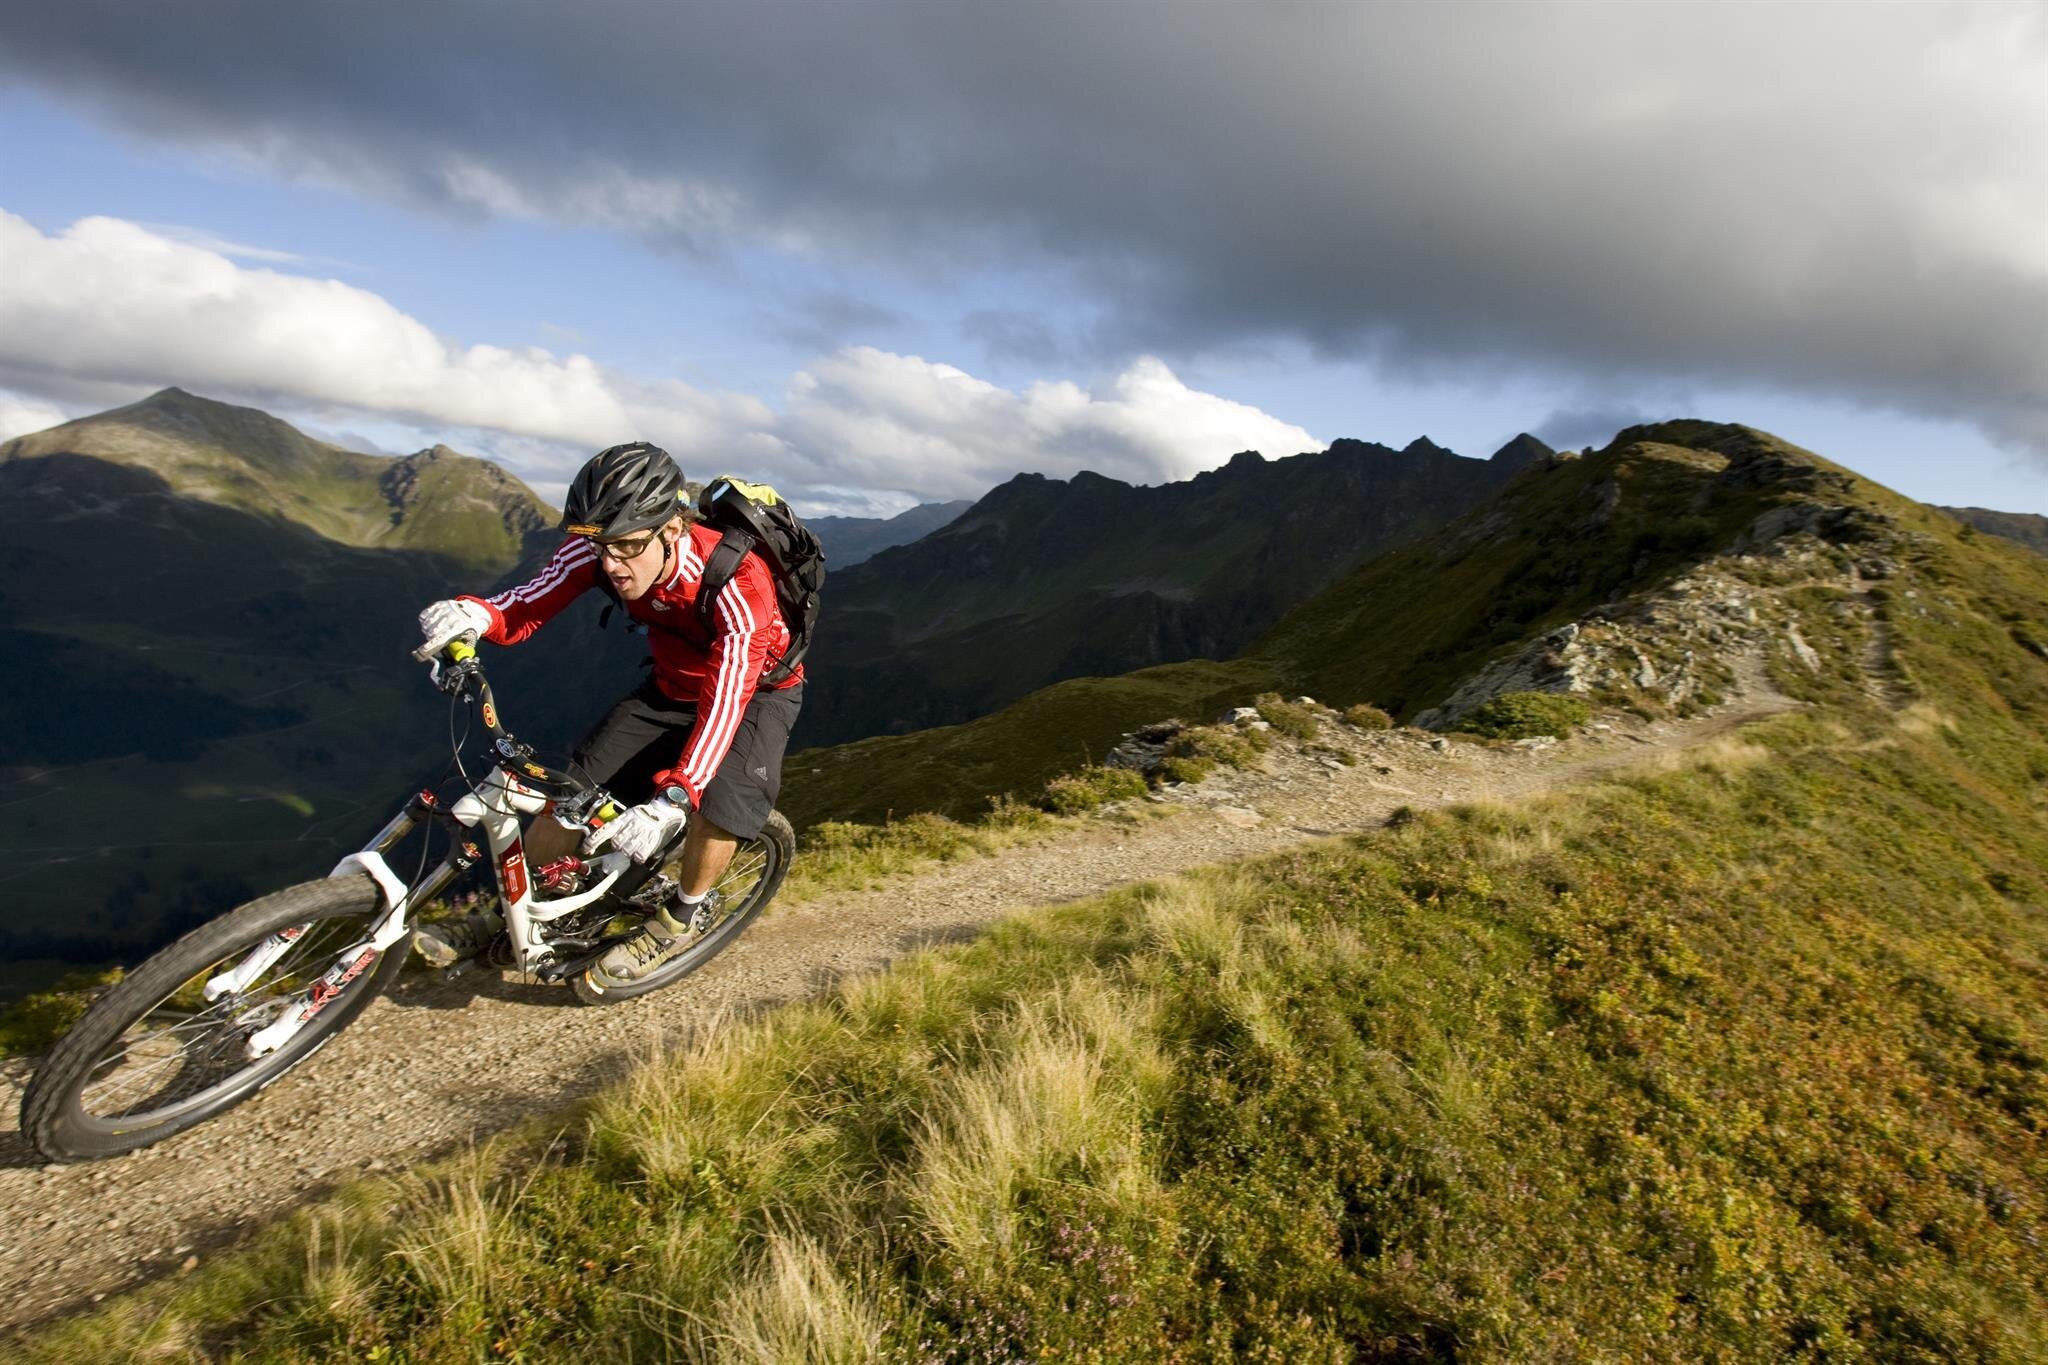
<point>57,1110</point>
<point>774,849</point>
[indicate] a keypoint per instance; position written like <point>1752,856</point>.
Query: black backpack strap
<point>719,569</point>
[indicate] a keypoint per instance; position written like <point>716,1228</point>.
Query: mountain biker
<point>699,735</point>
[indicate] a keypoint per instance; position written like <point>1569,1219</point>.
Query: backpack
<point>753,517</point>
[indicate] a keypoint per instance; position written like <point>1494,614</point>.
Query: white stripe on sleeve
<point>715,733</point>
<point>568,558</point>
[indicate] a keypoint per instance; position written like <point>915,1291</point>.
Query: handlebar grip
<point>455,651</point>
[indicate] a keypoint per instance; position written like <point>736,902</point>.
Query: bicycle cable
<point>455,743</point>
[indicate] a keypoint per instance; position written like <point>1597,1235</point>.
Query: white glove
<point>642,831</point>
<point>445,621</point>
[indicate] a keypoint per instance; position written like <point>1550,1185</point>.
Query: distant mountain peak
<point>1524,449</point>
<point>1422,445</point>
<point>174,399</point>
<point>439,500</point>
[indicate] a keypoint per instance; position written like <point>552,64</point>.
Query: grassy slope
<point>2026,528</point>
<point>955,770</point>
<point>1746,1057</point>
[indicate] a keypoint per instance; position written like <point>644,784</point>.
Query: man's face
<point>632,563</point>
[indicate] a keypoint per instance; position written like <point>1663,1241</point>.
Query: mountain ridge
<point>1045,578</point>
<point>2026,528</point>
<point>438,500</point>
<point>850,540</point>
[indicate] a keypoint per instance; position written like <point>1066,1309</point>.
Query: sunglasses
<point>623,550</point>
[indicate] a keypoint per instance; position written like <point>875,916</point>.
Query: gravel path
<point>439,1061</point>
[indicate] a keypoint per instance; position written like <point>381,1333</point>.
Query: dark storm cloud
<point>1591,426</point>
<point>825,320</point>
<point>1014,335</point>
<point>1834,199</point>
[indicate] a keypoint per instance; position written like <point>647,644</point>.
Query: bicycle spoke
<point>745,868</point>
<point>175,1051</point>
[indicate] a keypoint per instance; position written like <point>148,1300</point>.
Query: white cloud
<point>111,302</point>
<point>19,416</point>
<point>903,422</point>
<point>243,251</point>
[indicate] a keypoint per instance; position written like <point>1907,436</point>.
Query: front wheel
<point>750,881</point>
<point>153,1056</point>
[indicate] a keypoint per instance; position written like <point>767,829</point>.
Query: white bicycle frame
<point>495,807</point>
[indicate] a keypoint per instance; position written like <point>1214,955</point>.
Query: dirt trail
<point>439,1061</point>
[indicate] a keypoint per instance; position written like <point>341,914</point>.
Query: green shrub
<point>1220,744</point>
<point>1368,717</point>
<point>32,1024</point>
<point>1091,787</point>
<point>1186,768</point>
<point>1289,718</point>
<point>1519,715</point>
<point>1007,813</point>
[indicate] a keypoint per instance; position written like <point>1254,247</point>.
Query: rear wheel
<point>153,1056</point>
<point>749,883</point>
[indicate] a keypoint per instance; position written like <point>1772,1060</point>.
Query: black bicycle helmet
<point>628,488</point>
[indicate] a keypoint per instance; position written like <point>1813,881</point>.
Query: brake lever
<point>589,811</point>
<point>453,677</point>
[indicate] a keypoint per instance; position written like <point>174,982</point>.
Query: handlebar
<point>460,673</point>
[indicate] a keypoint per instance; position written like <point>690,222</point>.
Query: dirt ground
<point>441,1061</point>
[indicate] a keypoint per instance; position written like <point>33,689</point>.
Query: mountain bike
<point>233,1005</point>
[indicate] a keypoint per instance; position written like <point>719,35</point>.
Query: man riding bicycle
<point>701,734</point>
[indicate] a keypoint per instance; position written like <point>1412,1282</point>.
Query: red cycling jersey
<point>718,670</point>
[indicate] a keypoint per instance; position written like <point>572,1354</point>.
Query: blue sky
<point>898,285</point>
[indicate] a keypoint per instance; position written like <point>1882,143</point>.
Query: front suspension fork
<point>304,1006</point>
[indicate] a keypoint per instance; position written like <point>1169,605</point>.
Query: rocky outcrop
<point>1144,749</point>
<point>1682,643</point>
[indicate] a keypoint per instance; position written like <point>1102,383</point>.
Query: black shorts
<point>647,730</point>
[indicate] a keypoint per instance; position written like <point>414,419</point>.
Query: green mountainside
<point>2027,528</point>
<point>1741,1054</point>
<point>849,540</point>
<point>436,501</point>
<point>208,689</point>
<point>1045,579</point>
